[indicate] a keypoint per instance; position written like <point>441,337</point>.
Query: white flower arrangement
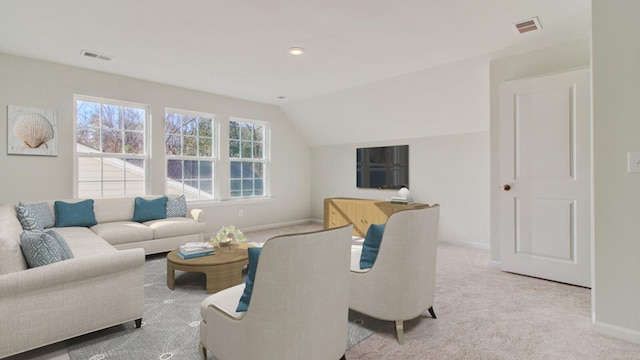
<point>228,234</point>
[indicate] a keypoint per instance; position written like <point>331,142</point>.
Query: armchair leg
<point>343,357</point>
<point>202,351</point>
<point>433,314</point>
<point>400,331</point>
<point>138,323</point>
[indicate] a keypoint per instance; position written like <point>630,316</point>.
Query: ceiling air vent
<point>95,55</point>
<point>524,26</point>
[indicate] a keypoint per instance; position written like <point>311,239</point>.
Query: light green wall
<point>34,83</point>
<point>616,128</point>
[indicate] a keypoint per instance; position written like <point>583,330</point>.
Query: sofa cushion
<point>42,213</point>
<point>177,207</point>
<point>83,242</point>
<point>75,214</point>
<point>39,248</point>
<point>146,210</point>
<point>172,227</point>
<point>10,251</point>
<point>371,245</point>
<point>120,232</point>
<point>254,255</point>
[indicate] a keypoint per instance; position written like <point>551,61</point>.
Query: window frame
<point>145,156</point>
<point>215,152</point>
<point>266,159</point>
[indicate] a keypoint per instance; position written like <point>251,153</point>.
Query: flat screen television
<point>383,167</point>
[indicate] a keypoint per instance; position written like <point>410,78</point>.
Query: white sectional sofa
<point>101,286</point>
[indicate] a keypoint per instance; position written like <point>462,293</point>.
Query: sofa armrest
<point>51,303</point>
<point>70,271</point>
<point>198,215</point>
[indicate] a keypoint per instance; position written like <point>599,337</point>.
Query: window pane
<point>236,185</point>
<point>206,188</point>
<point>190,125</point>
<point>206,168</point>
<point>258,170</point>
<point>134,170</point>
<point>89,169</point>
<point>259,185</point>
<point>112,169</point>
<point>258,133</point>
<point>173,124</point>
<point>113,189</point>
<point>190,146</point>
<point>247,170</point>
<point>205,147</point>
<point>88,190</point>
<point>234,130</point>
<point>111,116</point>
<point>190,169</point>
<point>205,127</point>
<point>111,141</point>
<point>174,169</point>
<point>134,142</point>
<point>247,131</point>
<point>173,145</point>
<point>236,169</point>
<point>234,148</point>
<point>134,188</point>
<point>246,150</point>
<point>257,150</point>
<point>133,119</point>
<point>88,114</point>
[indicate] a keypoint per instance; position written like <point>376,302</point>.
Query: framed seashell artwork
<point>32,131</point>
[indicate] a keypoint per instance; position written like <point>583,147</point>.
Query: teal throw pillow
<point>63,247</point>
<point>75,214</point>
<point>147,210</point>
<point>39,248</point>
<point>371,246</point>
<point>177,207</point>
<point>254,254</point>
<point>27,218</point>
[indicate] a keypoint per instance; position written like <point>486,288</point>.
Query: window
<point>111,147</point>
<point>248,155</point>
<point>189,145</point>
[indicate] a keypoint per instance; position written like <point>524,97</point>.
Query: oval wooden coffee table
<point>222,270</point>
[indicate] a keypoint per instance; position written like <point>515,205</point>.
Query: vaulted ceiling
<point>239,48</point>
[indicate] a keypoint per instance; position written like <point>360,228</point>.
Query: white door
<point>545,216</point>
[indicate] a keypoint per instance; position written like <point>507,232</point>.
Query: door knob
<point>506,187</point>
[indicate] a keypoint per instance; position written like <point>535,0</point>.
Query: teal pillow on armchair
<point>371,246</point>
<point>254,254</point>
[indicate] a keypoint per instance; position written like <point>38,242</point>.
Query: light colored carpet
<point>483,313</point>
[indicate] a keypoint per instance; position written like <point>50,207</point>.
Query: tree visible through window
<point>110,148</point>
<point>248,160</point>
<point>189,144</point>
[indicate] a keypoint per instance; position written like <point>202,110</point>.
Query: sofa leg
<point>202,351</point>
<point>138,323</point>
<point>400,331</point>
<point>343,357</point>
<point>433,314</point>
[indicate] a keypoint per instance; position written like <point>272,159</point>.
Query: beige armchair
<point>400,285</point>
<point>299,305</point>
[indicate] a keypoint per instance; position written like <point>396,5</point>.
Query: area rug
<point>170,327</point>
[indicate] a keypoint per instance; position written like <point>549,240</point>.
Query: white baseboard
<point>476,245</point>
<point>495,264</point>
<point>616,331</point>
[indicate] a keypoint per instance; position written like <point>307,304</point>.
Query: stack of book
<point>195,249</point>
<point>401,200</point>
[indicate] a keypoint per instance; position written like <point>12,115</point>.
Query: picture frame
<point>32,131</point>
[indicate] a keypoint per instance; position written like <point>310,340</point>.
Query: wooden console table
<point>361,213</point>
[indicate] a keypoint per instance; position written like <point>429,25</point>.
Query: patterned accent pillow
<point>65,251</point>
<point>39,248</point>
<point>177,207</point>
<point>27,218</point>
<point>42,213</point>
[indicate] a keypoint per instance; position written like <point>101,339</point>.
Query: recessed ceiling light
<point>95,55</point>
<point>296,51</point>
<point>281,97</point>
